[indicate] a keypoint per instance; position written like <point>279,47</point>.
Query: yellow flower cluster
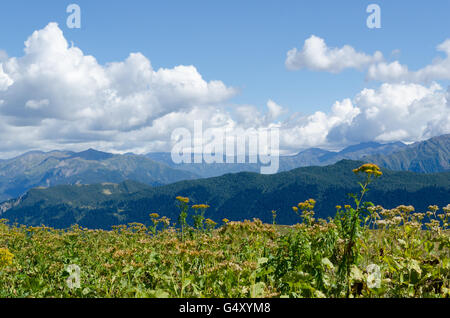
<point>200,206</point>
<point>154,215</point>
<point>370,169</point>
<point>307,205</point>
<point>210,222</point>
<point>182,199</point>
<point>6,257</point>
<point>165,221</point>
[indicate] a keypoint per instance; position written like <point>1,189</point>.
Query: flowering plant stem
<point>351,228</point>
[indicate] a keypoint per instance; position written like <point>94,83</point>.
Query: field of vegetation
<point>364,251</point>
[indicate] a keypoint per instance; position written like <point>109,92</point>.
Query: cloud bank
<point>317,56</point>
<point>57,97</point>
<point>439,69</point>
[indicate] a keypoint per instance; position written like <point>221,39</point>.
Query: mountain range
<point>236,196</point>
<point>305,158</point>
<point>45,169</point>
<point>431,155</point>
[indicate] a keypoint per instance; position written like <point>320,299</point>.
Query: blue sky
<point>244,43</point>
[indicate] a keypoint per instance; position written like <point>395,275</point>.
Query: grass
<point>364,251</point>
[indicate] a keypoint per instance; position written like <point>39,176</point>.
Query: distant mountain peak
<point>428,156</point>
<point>360,146</point>
<point>92,154</point>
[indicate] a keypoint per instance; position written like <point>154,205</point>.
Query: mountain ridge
<point>38,168</point>
<point>34,169</point>
<point>431,155</point>
<point>304,158</point>
<point>238,196</point>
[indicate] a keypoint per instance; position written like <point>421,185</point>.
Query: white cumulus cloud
<point>317,56</point>
<point>439,69</point>
<point>392,112</point>
<point>63,96</point>
<point>57,97</point>
<point>407,112</point>
<point>36,104</point>
<point>5,80</point>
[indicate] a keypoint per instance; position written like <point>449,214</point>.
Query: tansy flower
<point>370,169</point>
<point>154,215</point>
<point>165,220</point>
<point>6,257</point>
<point>307,205</point>
<point>303,205</point>
<point>210,222</point>
<point>182,199</point>
<point>200,206</point>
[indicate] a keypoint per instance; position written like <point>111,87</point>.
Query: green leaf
<point>262,260</point>
<point>414,265</point>
<point>356,274</point>
<point>257,290</point>
<point>327,263</point>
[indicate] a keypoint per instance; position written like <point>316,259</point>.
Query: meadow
<point>365,250</point>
